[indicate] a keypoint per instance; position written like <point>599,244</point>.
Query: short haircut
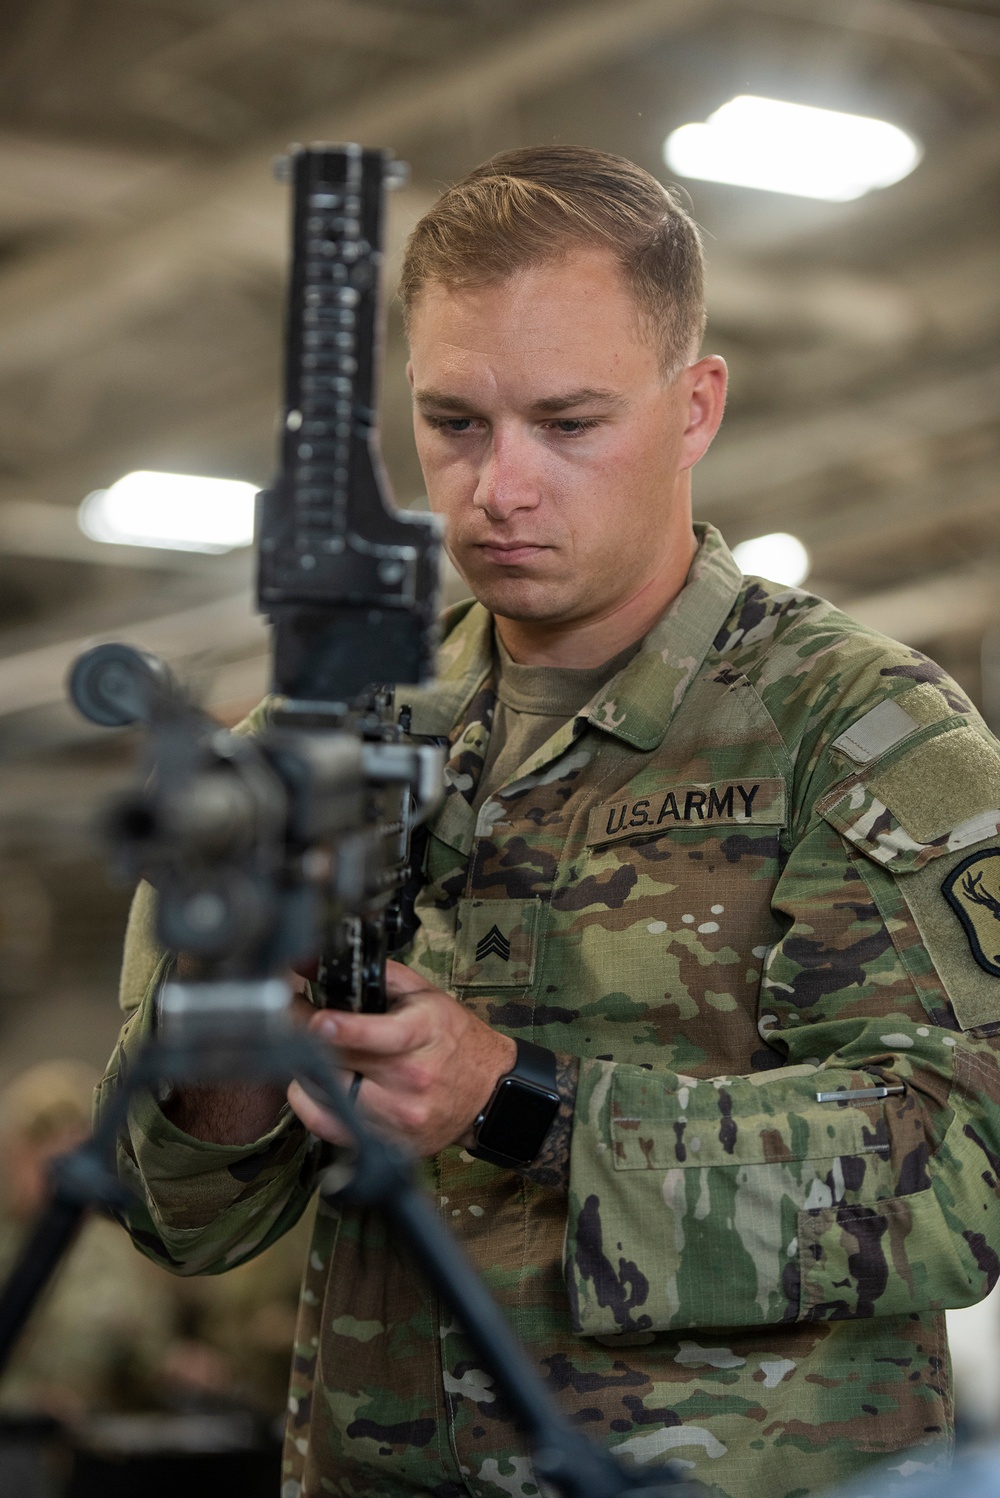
<point>532,206</point>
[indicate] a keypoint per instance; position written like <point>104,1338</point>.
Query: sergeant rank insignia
<point>494,942</point>
<point>973,892</point>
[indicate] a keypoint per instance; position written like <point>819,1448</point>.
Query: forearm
<point>234,1113</point>
<point>199,1203</point>
<point>743,1201</point>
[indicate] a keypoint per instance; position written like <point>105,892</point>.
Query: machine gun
<point>295,845</point>
<point>349,583</point>
<point>292,842</point>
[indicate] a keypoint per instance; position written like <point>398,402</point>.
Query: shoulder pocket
<point>931,819</point>
<point>939,797</point>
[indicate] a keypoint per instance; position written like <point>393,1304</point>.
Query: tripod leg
<point>50,1241</point>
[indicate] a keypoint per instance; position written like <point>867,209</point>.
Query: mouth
<point>509,553</point>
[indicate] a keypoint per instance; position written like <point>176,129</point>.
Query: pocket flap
<point>704,1124</point>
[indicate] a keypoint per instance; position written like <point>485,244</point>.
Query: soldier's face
<point>550,442</point>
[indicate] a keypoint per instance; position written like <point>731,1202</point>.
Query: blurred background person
<point>113,1332</point>
<point>155,1382</point>
<point>236,1331</point>
<point>98,1338</point>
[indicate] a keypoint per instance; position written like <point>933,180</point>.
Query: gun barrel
<point>349,582</point>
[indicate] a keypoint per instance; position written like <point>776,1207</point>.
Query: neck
<point>582,643</point>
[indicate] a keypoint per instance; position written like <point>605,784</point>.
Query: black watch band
<point>512,1127</point>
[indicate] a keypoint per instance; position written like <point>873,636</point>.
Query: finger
<point>383,1107</point>
<point>376,1034</point>
<point>300,1010</point>
<point>317,1119</point>
<point>379,1104</point>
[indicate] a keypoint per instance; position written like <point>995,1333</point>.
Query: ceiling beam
<point>45,182</point>
<point>902,20</point>
<point>750,460</point>
<point>952,510</point>
<point>208,217</point>
<point>208,633</point>
<point>858,310</point>
<point>963,600</point>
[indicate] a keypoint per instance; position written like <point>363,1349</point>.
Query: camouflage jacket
<point>760,868</point>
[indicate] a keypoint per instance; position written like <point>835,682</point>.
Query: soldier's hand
<point>429,1065</point>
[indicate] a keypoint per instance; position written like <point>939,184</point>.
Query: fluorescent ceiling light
<point>779,557</point>
<point>792,148</point>
<point>178,511</point>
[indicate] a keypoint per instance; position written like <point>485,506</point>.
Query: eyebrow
<point>549,405</point>
<point>586,396</point>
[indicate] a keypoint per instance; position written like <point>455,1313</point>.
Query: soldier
<point>714,892</point>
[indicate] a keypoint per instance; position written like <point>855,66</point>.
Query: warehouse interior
<point>143,247</point>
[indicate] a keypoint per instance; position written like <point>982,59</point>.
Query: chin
<point>520,598</point>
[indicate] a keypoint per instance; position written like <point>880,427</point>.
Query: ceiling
<point>142,248</point>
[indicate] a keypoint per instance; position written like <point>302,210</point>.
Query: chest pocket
<point>657,930</point>
<point>691,853</point>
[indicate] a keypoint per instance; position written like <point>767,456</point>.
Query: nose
<point>507,479</point>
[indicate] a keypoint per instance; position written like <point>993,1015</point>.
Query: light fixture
<point>178,511</point>
<point>792,148</point>
<point>779,557</point>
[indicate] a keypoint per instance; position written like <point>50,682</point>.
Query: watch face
<point>518,1121</point>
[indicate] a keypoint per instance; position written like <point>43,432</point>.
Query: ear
<point>704,389</point>
<point>409,373</point>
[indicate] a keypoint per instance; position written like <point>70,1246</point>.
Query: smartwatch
<point>512,1127</point>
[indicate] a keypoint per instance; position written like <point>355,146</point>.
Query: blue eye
<point>571,426</point>
<point>452,426</point>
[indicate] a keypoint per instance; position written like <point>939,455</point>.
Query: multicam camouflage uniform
<point>761,865</point>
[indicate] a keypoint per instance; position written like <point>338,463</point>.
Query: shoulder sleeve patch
<point>955,903</point>
<point>885,726</point>
<point>972,889</point>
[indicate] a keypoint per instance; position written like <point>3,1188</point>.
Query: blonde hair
<point>532,206</point>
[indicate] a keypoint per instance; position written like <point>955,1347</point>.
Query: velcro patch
<point>972,889</point>
<point>495,943</point>
<point>940,784</point>
<point>749,801</point>
<point>885,726</point>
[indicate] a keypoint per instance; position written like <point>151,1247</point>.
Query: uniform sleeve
<point>196,1208</point>
<point>741,1201</point>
